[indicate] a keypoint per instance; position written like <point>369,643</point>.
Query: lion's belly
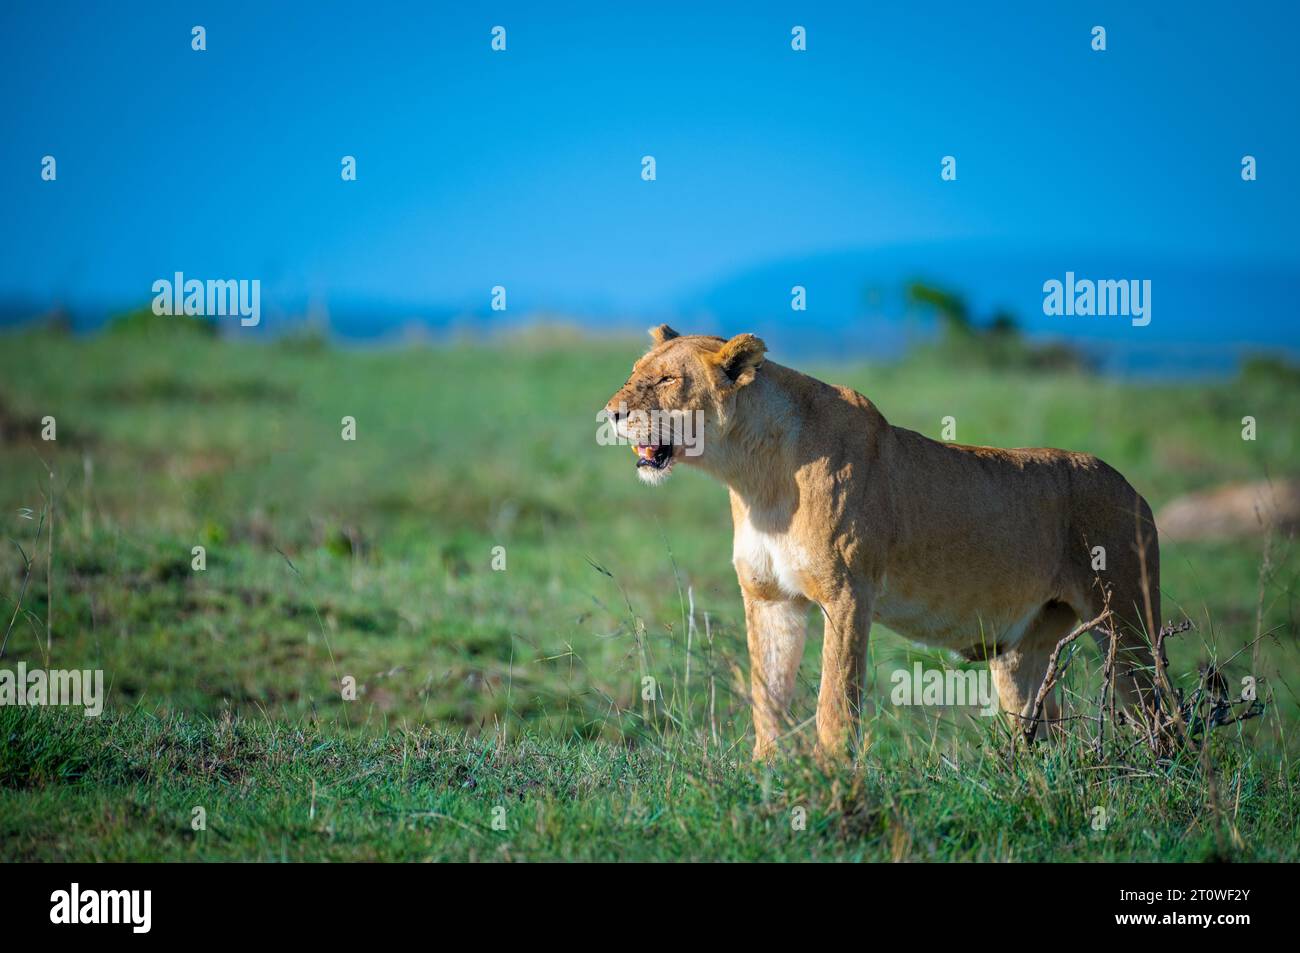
<point>927,607</point>
<point>947,620</point>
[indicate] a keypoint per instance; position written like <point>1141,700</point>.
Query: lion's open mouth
<point>659,456</point>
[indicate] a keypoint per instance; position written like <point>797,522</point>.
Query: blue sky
<point>522,168</point>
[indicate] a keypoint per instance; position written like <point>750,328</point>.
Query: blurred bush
<point>142,321</point>
<point>996,343</point>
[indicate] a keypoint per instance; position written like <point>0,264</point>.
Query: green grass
<point>126,788</point>
<point>479,689</point>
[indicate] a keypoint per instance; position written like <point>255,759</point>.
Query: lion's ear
<point>741,356</point>
<point>662,333</point>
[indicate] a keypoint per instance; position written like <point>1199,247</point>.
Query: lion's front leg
<point>844,660</point>
<point>776,631</point>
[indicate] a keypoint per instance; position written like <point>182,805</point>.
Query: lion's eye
<point>666,379</point>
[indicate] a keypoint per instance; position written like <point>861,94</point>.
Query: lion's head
<point>680,397</point>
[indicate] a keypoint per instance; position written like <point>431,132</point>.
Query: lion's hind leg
<point>1018,672</point>
<point>1135,610</point>
<point>1129,586</point>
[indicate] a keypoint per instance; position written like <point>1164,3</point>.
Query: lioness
<point>984,551</point>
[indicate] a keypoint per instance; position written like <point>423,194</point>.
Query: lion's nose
<point>614,411</point>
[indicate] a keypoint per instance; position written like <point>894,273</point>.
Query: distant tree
<point>1004,324</point>
<point>951,308</point>
<point>996,342</point>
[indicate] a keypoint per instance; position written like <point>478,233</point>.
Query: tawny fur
<point>984,551</point>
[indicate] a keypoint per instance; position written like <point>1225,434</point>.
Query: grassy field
<point>499,713</point>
